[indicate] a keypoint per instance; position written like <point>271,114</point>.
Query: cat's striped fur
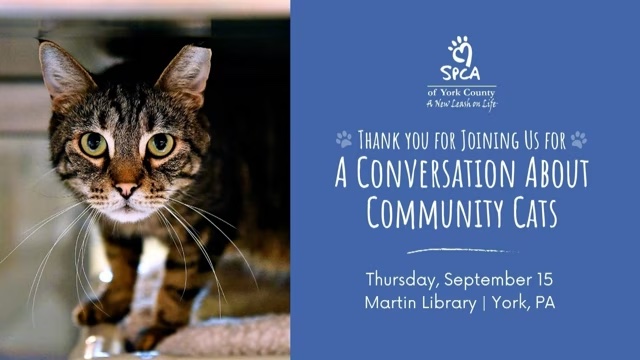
<point>191,198</point>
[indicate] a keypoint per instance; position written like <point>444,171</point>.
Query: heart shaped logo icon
<point>459,49</point>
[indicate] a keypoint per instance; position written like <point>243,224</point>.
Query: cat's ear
<point>66,80</point>
<point>186,76</point>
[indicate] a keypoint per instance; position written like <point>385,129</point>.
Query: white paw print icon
<point>343,139</point>
<point>578,139</point>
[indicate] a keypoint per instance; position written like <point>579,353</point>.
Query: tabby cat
<point>147,159</point>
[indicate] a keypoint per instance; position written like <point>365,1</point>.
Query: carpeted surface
<point>248,320</point>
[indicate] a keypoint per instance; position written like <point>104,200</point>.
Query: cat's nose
<point>126,189</point>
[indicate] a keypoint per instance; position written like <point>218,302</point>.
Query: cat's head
<point>127,149</point>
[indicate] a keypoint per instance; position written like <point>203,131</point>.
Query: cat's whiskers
<point>46,220</point>
<point>83,250</point>
<point>37,227</point>
<point>43,264</point>
<point>48,172</point>
<point>115,225</point>
<point>79,263</point>
<point>36,183</point>
<point>197,241</point>
<point>200,212</point>
<point>84,227</point>
<point>185,194</point>
<point>176,242</point>
<point>66,196</point>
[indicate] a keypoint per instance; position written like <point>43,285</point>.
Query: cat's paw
<point>148,338</point>
<point>99,311</point>
<point>578,139</point>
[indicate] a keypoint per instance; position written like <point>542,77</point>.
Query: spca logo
<point>462,53</point>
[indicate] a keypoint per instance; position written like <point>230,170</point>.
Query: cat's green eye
<point>93,144</point>
<point>160,145</point>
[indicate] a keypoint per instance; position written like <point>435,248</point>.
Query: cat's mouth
<point>128,214</point>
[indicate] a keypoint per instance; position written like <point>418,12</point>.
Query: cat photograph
<point>182,143</point>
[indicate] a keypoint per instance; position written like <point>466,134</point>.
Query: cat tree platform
<point>251,324</point>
